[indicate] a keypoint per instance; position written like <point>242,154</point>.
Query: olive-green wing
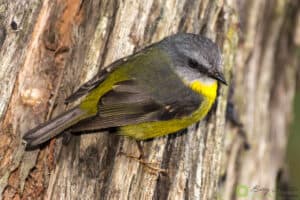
<point>153,93</point>
<point>95,81</point>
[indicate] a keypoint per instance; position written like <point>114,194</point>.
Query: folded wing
<point>153,93</point>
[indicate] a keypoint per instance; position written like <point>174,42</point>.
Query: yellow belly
<point>149,130</point>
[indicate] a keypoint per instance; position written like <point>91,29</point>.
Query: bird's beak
<point>219,76</point>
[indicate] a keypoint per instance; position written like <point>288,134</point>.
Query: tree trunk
<point>264,80</point>
<point>49,48</point>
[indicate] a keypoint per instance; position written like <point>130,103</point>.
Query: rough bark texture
<point>49,48</point>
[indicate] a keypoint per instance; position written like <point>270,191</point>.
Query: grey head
<point>194,57</point>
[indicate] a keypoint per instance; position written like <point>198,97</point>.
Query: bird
<point>161,89</point>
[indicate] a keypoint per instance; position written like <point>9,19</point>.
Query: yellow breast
<point>208,93</point>
<point>148,130</point>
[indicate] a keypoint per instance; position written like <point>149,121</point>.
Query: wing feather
<point>153,93</point>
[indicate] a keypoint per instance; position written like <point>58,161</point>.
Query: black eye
<point>195,65</point>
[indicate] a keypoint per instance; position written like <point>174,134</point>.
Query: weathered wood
<point>60,44</point>
<point>66,42</point>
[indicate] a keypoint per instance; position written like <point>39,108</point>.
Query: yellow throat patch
<point>207,90</point>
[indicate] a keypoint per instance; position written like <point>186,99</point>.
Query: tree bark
<point>49,48</point>
<point>264,80</point>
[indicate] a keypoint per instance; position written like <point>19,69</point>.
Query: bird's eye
<point>199,67</point>
<point>193,63</point>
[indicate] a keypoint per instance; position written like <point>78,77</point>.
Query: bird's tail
<point>52,128</point>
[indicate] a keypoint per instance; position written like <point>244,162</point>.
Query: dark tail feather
<point>52,128</point>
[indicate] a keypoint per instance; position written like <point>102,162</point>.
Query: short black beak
<point>219,76</point>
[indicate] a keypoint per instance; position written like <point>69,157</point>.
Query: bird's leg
<point>141,159</point>
<point>140,147</point>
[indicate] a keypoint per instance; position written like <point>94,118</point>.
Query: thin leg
<point>141,150</point>
<point>141,160</point>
